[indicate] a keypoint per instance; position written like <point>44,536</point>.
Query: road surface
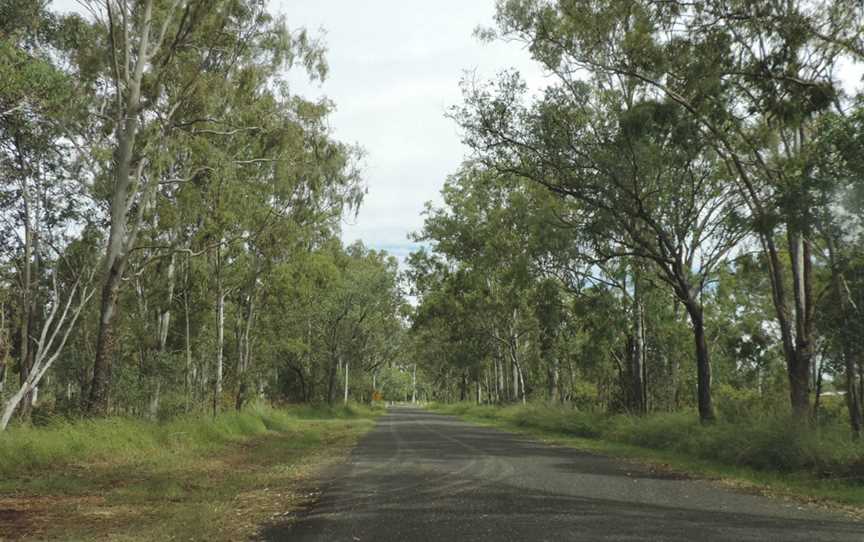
<point>421,476</point>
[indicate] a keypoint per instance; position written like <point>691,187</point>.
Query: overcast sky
<point>395,67</point>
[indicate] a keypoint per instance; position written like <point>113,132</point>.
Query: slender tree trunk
<point>799,371</point>
<point>98,401</point>
<point>10,405</point>
<point>636,369</point>
<point>220,341</point>
<point>849,349</point>
<point>187,376</point>
<point>515,378</point>
<point>522,385</point>
<point>555,396</point>
<point>414,385</point>
<point>502,376</point>
<point>245,357</point>
<point>345,367</point>
<point>703,362</point>
<point>331,377</point>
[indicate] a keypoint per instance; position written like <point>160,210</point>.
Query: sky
<point>395,68</point>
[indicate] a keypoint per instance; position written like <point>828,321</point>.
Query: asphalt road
<point>422,476</point>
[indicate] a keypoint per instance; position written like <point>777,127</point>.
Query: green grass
<point>759,451</point>
<point>192,478</point>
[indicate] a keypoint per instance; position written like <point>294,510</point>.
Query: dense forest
<point>673,223</point>
<point>171,217</point>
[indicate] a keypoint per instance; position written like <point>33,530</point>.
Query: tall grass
<point>766,441</point>
<point>126,440</point>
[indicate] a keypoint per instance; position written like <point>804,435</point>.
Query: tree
<point>637,181</point>
<point>161,58</point>
<point>753,105</point>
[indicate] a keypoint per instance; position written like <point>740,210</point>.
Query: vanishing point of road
<point>420,476</point>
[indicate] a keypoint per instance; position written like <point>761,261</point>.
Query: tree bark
<point>345,368</point>
<point>849,350</point>
<point>703,362</point>
<point>802,357</point>
<point>637,351</point>
<point>99,398</point>
<point>220,344</point>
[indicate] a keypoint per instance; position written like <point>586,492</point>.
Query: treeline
<point>171,216</point>
<point>674,222</point>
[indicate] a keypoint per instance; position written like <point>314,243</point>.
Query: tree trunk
<point>849,348</point>
<point>331,378</point>
<point>703,362</point>
<point>187,375</point>
<point>522,385</point>
<point>10,405</point>
<point>220,341</point>
<point>98,401</point>
<point>799,369</point>
<point>121,238</point>
<point>345,368</point>
<point>515,380</point>
<point>636,369</point>
<point>555,395</point>
<point>414,385</point>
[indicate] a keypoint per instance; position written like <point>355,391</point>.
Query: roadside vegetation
<point>172,214</point>
<point>664,240</point>
<point>756,450</point>
<point>201,478</point>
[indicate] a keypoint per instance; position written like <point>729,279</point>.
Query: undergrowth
<point>29,449</point>
<point>766,442</point>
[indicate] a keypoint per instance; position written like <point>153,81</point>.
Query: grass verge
<point>195,478</point>
<point>822,467</point>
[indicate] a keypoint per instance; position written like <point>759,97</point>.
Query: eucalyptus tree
<point>42,198</point>
<point>159,64</point>
<point>753,77</point>
<point>68,297</point>
<point>637,180</point>
<point>835,159</point>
